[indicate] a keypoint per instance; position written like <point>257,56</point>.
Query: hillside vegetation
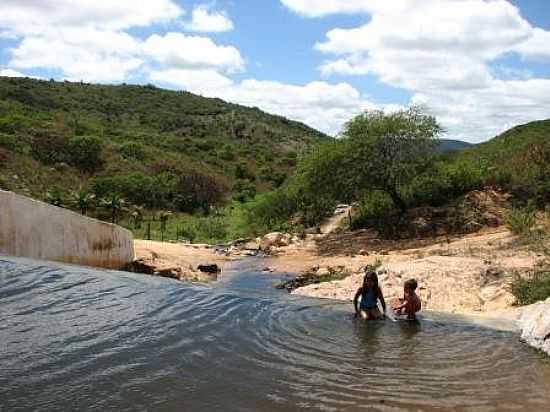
<point>391,166</point>
<point>156,148</point>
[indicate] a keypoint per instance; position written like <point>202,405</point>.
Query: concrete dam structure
<point>33,229</point>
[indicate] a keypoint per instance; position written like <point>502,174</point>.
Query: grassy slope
<point>511,146</point>
<point>173,129</point>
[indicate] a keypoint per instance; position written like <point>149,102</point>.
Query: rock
<point>207,268</point>
<point>323,272</point>
<point>168,272</point>
<point>421,226</point>
<point>316,230</point>
<point>251,245</point>
<point>206,277</point>
<point>535,325</point>
<point>491,219</point>
<point>363,252</point>
<point>275,239</point>
<point>142,266</point>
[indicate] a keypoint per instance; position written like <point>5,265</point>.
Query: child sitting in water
<point>370,293</point>
<point>410,303</point>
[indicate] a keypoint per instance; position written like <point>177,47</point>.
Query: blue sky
<point>480,66</point>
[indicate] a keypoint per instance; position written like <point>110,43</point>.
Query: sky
<point>479,66</point>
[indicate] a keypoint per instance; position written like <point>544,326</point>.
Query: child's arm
<point>356,299</point>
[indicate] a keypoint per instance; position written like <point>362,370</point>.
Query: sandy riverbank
<point>177,259</point>
<point>468,275</point>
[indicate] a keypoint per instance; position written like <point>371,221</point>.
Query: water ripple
<point>76,338</point>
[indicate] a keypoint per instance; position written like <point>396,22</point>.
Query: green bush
<point>49,148</point>
<point>520,221</point>
<point>85,153</point>
<point>195,191</point>
<point>13,123</point>
<point>532,289</point>
<point>243,190</point>
<point>374,209</point>
<point>270,211</point>
<point>15,143</point>
<point>132,150</point>
<point>210,229</point>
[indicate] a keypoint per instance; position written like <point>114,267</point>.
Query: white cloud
<point>84,39</point>
<point>195,81</point>
<point>80,53</point>
<point>442,51</point>
<point>11,73</point>
<point>176,50</point>
<point>320,8</point>
<point>537,46</point>
<point>87,39</point>
<point>31,16</point>
<point>207,21</point>
<point>481,114</point>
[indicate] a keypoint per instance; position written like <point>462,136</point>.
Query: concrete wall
<point>34,229</point>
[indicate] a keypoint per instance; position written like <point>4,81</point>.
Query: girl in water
<point>369,293</point>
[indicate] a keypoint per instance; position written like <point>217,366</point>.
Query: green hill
<point>517,160</point>
<point>105,138</point>
<point>513,145</point>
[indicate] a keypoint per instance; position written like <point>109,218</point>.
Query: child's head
<point>410,286</point>
<point>370,280</point>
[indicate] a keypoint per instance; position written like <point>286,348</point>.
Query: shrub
<point>14,143</point>
<point>521,220</point>
<point>49,148</point>
<point>85,153</point>
<point>242,172</point>
<point>132,150</point>
<point>13,123</point>
<point>243,190</point>
<point>196,191</point>
<point>271,210</point>
<point>532,289</point>
<point>374,209</point>
<point>227,153</point>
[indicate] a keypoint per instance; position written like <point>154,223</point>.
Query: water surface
<point>81,339</point>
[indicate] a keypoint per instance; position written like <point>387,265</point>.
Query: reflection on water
<point>76,339</point>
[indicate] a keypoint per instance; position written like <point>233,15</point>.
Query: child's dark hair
<point>411,284</point>
<point>371,274</point>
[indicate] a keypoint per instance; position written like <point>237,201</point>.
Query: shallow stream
<point>75,338</point>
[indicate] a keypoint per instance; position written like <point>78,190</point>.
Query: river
<point>75,338</point>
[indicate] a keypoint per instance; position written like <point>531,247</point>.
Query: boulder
<point>275,239</point>
<point>208,268</point>
<point>535,325</point>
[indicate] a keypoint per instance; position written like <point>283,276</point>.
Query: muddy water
<point>80,339</point>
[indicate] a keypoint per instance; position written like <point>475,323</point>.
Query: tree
<point>163,218</point>
<point>136,216</point>
<point>82,200</point>
<point>114,204</point>
<point>390,150</point>
<point>85,153</point>
<point>55,197</point>
<point>197,191</point>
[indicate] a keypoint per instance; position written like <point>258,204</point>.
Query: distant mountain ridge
<point>450,145</point>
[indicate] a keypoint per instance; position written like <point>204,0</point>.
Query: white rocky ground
<point>535,325</point>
